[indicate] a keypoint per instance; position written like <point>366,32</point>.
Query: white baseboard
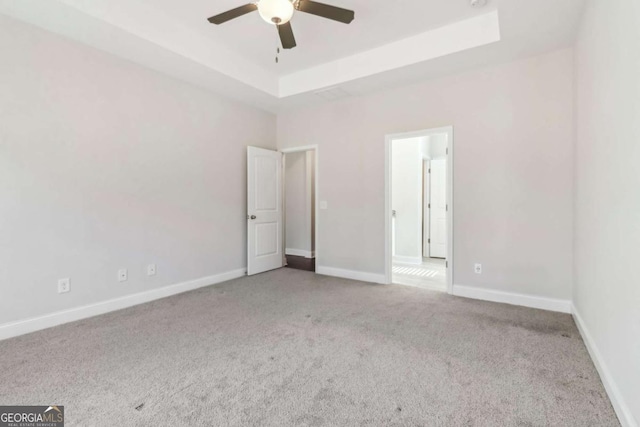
<point>543,303</point>
<point>21,327</point>
<point>300,252</point>
<point>619,405</point>
<point>407,259</point>
<point>351,274</point>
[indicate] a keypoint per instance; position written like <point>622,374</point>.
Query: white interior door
<point>426,207</point>
<point>438,220</point>
<point>264,206</point>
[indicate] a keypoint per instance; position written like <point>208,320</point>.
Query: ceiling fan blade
<point>326,11</point>
<point>286,35</point>
<point>232,14</point>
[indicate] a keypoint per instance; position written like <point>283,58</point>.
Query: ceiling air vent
<point>332,93</point>
<point>478,3</point>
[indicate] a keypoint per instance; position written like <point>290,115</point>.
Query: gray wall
<point>513,208</point>
<point>107,165</point>
<point>607,202</point>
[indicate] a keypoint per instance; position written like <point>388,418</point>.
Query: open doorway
<point>419,209</point>
<point>300,209</point>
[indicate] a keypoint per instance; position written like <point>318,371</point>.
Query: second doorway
<point>300,199</point>
<point>419,201</point>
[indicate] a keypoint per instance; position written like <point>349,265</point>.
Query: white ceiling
<point>389,42</point>
<point>319,40</point>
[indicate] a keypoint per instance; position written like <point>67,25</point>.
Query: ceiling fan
<point>280,12</point>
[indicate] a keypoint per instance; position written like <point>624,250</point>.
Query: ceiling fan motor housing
<point>276,12</point>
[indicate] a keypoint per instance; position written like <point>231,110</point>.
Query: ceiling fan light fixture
<point>276,12</point>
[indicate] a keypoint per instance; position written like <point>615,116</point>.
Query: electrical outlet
<point>478,268</point>
<point>122,275</point>
<point>151,270</point>
<point>63,286</point>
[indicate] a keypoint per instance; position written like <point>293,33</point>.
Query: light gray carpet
<point>292,348</point>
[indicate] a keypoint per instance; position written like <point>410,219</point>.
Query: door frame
<point>387,198</point>
<point>316,186</point>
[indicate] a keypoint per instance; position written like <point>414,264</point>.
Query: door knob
<point>251,217</point>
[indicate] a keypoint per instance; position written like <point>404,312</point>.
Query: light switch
<point>323,204</point>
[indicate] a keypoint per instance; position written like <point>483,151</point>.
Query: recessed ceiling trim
<point>157,35</point>
<point>70,23</point>
<point>453,38</point>
<point>69,18</point>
